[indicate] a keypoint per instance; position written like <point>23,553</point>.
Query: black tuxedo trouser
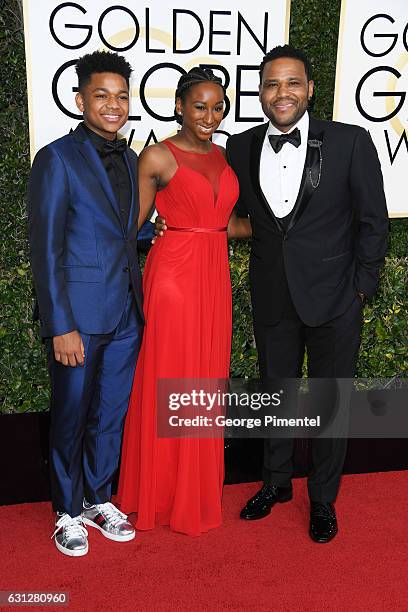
<point>332,351</point>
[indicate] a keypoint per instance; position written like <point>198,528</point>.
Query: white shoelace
<point>111,513</point>
<point>74,527</point>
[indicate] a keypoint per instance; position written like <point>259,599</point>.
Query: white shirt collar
<point>302,124</point>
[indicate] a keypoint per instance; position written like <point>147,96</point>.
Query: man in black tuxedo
<point>314,195</point>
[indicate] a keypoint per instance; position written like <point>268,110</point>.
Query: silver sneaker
<point>112,523</point>
<point>70,535</point>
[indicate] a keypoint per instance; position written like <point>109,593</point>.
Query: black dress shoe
<point>261,503</point>
<point>323,522</point>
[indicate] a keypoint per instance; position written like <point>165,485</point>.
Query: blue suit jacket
<point>80,253</point>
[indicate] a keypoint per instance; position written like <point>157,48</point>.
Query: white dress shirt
<point>280,173</point>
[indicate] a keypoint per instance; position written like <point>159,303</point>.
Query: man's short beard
<point>288,122</point>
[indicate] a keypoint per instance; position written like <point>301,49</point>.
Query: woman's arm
<point>148,176</point>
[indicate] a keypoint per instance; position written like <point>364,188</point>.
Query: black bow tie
<point>278,140</point>
<point>113,146</point>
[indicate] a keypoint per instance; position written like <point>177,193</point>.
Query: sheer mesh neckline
<point>210,165</point>
<point>212,150</point>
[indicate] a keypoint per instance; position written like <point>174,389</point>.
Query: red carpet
<point>266,565</point>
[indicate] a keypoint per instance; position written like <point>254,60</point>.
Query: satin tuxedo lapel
<point>255,158</point>
<point>311,172</point>
<point>89,153</point>
<point>310,176</point>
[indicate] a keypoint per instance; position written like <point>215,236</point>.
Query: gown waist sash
<point>197,230</point>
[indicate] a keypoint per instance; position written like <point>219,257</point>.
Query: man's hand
<point>69,349</point>
<point>239,227</point>
<point>159,227</point>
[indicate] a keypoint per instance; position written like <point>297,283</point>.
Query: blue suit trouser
<point>88,408</point>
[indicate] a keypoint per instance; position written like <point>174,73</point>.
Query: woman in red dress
<point>187,293</point>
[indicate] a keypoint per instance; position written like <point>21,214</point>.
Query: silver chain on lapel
<point>317,144</point>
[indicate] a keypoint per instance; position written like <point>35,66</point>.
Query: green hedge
<point>24,384</point>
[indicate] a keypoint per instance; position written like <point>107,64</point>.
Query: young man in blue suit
<point>83,212</point>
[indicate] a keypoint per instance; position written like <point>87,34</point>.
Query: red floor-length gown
<point>187,304</point>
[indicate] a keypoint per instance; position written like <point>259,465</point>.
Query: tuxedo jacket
<point>82,257</point>
<point>336,239</point>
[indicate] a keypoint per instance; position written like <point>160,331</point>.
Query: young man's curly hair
<point>101,61</point>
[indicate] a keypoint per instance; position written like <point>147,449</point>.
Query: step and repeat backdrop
<point>162,42</point>
<point>372,85</point>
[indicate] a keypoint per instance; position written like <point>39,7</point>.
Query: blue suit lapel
<point>133,212</point>
<point>89,153</point>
